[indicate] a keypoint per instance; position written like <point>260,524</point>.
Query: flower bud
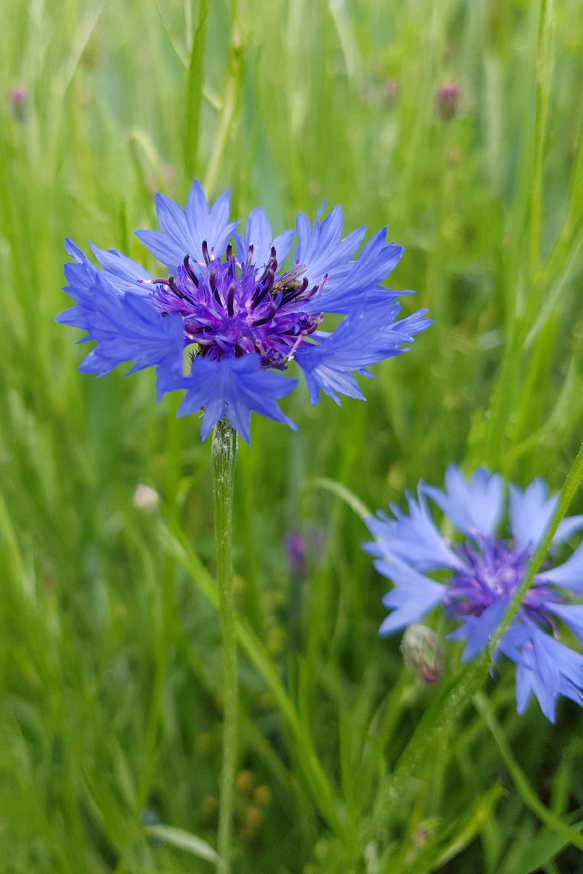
<point>422,652</point>
<point>390,91</point>
<point>18,100</point>
<point>145,498</point>
<point>446,99</point>
<point>296,557</point>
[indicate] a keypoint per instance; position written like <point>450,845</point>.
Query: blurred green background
<point>110,668</point>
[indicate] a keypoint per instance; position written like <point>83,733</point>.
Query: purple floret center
<point>494,570</point>
<point>231,308</point>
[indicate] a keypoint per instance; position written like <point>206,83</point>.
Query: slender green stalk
<point>570,486</point>
<point>224,455</point>
<point>527,793</point>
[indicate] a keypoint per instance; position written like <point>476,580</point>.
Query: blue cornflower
<point>243,318</point>
<point>482,572</point>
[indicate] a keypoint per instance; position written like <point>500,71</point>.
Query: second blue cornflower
<point>477,577</point>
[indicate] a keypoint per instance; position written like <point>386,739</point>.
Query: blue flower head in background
<point>243,317</point>
<point>482,573</point>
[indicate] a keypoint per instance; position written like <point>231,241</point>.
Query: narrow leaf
<point>343,492</point>
<point>543,848</point>
<point>194,90</point>
<point>523,787</point>
<point>184,841</point>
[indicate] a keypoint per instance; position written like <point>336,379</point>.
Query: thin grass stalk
<point>570,486</point>
<point>224,451</point>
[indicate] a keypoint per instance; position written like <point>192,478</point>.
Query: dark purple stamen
<point>262,291</point>
<point>174,288</point>
<point>267,319</point>
<point>229,309</point>
<point>189,270</point>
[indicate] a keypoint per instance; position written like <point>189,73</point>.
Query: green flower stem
<point>224,451</point>
<point>547,817</point>
<point>570,486</point>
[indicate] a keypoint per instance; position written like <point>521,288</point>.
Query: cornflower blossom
<point>483,571</point>
<point>244,318</point>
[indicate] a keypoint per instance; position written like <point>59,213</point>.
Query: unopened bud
<point>447,99</point>
<point>420,836</point>
<point>18,100</point>
<point>390,91</point>
<point>296,557</point>
<point>422,652</point>
<point>145,498</point>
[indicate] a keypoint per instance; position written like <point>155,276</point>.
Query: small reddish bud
<point>447,99</point>
<point>18,101</point>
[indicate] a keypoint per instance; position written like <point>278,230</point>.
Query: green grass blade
<point>194,90</point>
<point>176,837</point>
<point>529,797</point>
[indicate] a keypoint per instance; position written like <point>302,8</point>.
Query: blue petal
<point>197,210</point>
<point>360,283</point>
<point>529,680</point>
<point>82,277</point>
<point>530,513</point>
<point>321,250</point>
<point>549,669</point>
<point>479,629</point>
<point>363,338</point>
<point>162,248</point>
<point>568,575</point>
<point>412,598</point>
<point>98,364</point>
<point>121,271</point>
<point>258,234</point>
<point>172,222</point>
<point>474,507</point>
<point>568,527</point>
<point>414,539</point>
<point>282,244</point>
<point>183,231</point>
<point>129,328</point>
<point>571,615</point>
<point>234,388</point>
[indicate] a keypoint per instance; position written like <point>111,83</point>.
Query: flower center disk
<point>494,572</point>
<point>231,308</point>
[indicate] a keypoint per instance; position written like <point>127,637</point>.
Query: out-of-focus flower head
<point>296,546</point>
<point>447,98</point>
<point>482,572</point>
<point>243,317</point>
<point>18,101</point>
